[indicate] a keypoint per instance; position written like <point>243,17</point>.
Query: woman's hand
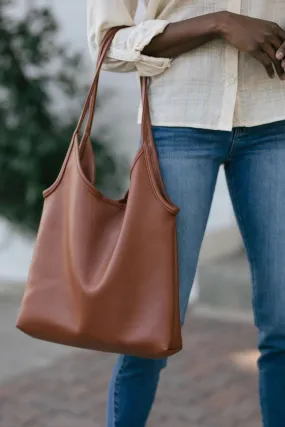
<point>261,39</point>
<point>264,40</point>
<point>280,55</point>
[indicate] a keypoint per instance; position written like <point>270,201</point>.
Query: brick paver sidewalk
<point>212,383</point>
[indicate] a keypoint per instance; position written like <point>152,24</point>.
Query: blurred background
<point>45,71</point>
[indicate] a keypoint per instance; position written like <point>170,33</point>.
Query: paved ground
<point>19,353</point>
<point>212,383</point>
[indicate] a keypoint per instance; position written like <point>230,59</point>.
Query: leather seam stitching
<point>138,156</point>
<point>59,178</point>
<point>160,199</point>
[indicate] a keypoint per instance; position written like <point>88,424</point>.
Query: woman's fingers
<point>275,41</point>
<point>280,54</point>
<point>280,33</point>
<point>265,61</point>
<point>269,50</point>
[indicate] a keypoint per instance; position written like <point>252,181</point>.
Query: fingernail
<point>279,55</point>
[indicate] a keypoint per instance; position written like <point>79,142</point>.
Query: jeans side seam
<point>243,232</point>
<point>115,396</point>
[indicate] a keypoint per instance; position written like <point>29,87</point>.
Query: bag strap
<point>90,103</point>
<point>146,130</point>
<point>102,54</point>
<point>92,94</point>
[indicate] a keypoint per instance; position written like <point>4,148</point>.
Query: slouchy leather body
<point>104,273</point>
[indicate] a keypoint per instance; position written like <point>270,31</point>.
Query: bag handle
<point>90,102</point>
<point>101,56</point>
<point>146,130</point>
<point>92,94</point>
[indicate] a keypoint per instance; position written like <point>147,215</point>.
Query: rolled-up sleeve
<point>125,53</point>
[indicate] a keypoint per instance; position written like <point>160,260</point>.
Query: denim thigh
<point>189,162</point>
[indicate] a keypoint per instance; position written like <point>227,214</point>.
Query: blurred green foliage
<point>33,137</point>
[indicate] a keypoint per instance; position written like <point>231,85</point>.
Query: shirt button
<point>232,80</point>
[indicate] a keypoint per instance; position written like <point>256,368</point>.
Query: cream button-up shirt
<point>212,87</point>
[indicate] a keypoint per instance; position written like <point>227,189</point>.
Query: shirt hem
<point>213,126</point>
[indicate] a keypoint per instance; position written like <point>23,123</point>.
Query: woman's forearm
<point>181,37</point>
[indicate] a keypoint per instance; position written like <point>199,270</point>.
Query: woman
<point>217,96</point>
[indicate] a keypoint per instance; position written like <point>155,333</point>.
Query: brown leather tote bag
<point>104,273</point>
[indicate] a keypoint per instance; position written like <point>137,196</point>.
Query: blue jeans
<point>254,162</point>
